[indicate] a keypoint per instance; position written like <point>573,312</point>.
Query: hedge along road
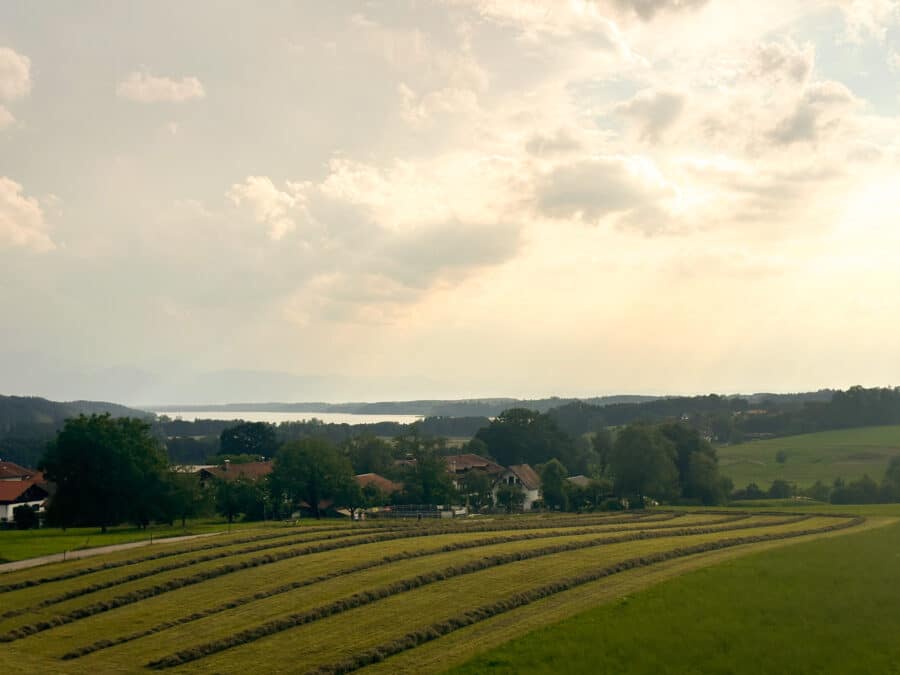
<point>174,583</point>
<point>346,539</point>
<point>418,581</point>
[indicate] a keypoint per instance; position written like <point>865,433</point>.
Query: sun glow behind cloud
<point>505,197</point>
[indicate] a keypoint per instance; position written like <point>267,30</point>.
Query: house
<point>459,465</point>
<point>525,478</point>
<point>385,485</point>
<point>579,480</point>
<point>16,493</point>
<point>10,471</point>
<point>229,471</point>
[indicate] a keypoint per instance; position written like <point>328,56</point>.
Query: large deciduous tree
<point>643,463</point>
<point>309,470</point>
<point>249,438</point>
<point>520,436</point>
<point>106,471</point>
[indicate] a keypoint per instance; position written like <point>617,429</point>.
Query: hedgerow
<point>436,630</point>
<point>369,596</point>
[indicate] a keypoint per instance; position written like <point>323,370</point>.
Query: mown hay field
<point>390,596</point>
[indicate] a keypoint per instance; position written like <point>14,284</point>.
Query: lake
<point>278,417</point>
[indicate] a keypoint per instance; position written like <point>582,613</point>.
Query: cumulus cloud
<point>15,75</point>
<point>593,189</point>
<point>783,61</point>
<point>652,111</point>
<point>143,87</point>
<point>271,207</point>
<point>21,219</point>
<point>562,142</point>
<point>821,109</point>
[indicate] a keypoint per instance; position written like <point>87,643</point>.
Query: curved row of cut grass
<point>367,565</point>
<point>412,583</point>
<point>436,630</point>
<point>33,601</point>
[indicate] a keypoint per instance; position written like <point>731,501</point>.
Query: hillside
<point>27,422</point>
<point>846,453</point>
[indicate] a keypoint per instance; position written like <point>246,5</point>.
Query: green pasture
<point>847,454</point>
<point>369,587</point>
<point>824,606</point>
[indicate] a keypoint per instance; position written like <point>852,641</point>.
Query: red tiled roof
<point>10,470</point>
<point>12,490</point>
<point>251,470</point>
<point>386,485</point>
<point>469,461</point>
<point>527,475</point>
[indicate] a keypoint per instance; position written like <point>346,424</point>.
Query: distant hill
<point>481,407</point>
<point>28,422</point>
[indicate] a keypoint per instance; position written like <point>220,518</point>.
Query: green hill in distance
<point>824,456</point>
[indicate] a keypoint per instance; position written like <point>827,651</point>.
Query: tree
<point>553,485</point>
<point>25,517</point>
<point>643,463</point>
<point>311,471</point>
<point>520,436</point>
<point>890,486</point>
<point>781,489</point>
<point>187,498</point>
<point>240,496</point>
<point>369,454</point>
<point>425,478</point>
<point>106,471</point>
<point>249,438</point>
<point>781,456</point>
<point>476,486</point>
<point>510,497</point>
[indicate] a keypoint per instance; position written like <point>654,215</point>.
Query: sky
<point>231,201</point>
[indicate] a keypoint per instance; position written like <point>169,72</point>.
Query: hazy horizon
<point>210,202</point>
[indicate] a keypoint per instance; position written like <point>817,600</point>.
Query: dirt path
<point>98,550</point>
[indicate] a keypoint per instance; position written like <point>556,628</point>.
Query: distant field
<point>826,606</point>
<point>390,597</point>
<point>847,454</point>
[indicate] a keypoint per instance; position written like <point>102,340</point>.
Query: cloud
<point>271,206</point>
<point>15,75</point>
<point>652,111</point>
<point>593,189</point>
<point>562,142</point>
<point>821,109</point>
<point>783,61</point>
<point>6,118</point>
<point>647,9</point>
<point>869,18</point>
<point>21,219</point>
<point>143,87</point>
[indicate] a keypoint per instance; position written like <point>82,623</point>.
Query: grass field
<point>826,606</point>
<point>395,597</point>
<point>21,544</point>
<point>847,454</point>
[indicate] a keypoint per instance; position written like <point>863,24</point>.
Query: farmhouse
<point>384,485</point>
<point>459,465</point>
<point>16,493</point>
<point>523,477</point>
<point>10,471</point>
<point>230,471</point>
